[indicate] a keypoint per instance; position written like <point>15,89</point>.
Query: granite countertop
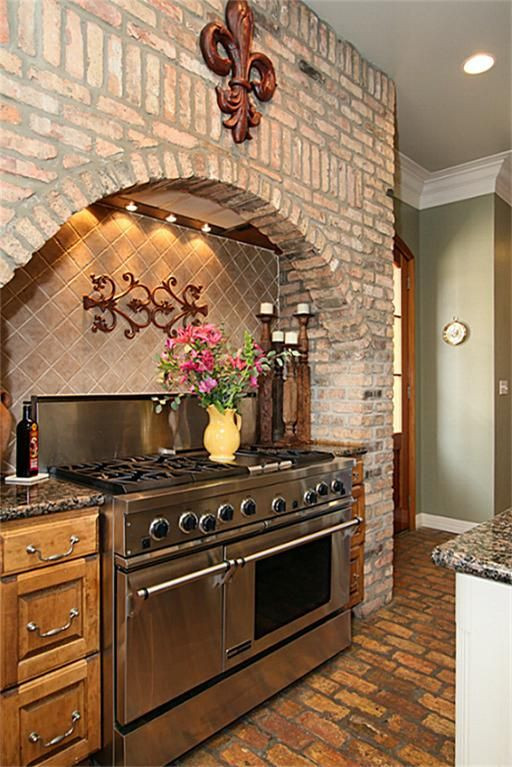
<point>47,497</point>
<point>485,551</point>
<point>342,449</point>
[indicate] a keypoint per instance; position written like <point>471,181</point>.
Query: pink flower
<point>207,385</point>
<point>207,361</point>
<point>253,381</point>
<point>238,363</point>
<point>189,365</point>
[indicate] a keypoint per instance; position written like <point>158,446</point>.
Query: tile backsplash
<point>48,346</point>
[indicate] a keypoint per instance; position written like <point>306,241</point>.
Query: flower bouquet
<point>199,361</point>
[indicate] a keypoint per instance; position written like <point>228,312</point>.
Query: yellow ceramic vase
<point>222,435</point>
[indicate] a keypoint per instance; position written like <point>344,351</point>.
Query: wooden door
<point>404,452</point>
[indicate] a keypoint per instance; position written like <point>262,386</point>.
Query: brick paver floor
<point>386,701</point>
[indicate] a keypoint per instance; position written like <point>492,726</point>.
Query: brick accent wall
<point>99,96</point>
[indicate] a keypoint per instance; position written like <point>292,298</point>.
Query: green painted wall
<point>464,428</point>
<point>503,353</point>
<point>456,419</point>
<point>407,225</point>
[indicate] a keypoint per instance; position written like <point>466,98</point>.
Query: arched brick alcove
<point>312,268</point>
<point>102,97</point>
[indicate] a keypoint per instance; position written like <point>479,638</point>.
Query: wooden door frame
<point>402,253</point>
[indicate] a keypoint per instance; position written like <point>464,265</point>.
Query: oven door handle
<point>158,588</point>
<point>348,527</point>
<point>231,564</point>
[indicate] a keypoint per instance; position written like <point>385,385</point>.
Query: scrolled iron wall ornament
<point>236,39</point>
<point>162,306</point>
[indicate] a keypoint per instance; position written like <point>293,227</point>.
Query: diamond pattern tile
<point>47,343</point>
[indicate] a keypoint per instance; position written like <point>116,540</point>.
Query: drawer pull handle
<point>53,557</point>
<point>35,738</point>
<point>73,613</point>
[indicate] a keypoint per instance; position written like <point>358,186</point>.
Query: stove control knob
<point>159,528</point>
<point>337,486</point>
<point>207,523</point>
<point>225,512</point>
<point>310,497</point>
<point>248,507</point>
<point>187,522</point>
<point>322,488</point>
<point>279,505</point>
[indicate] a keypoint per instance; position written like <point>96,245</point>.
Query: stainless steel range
<point>221,585</point>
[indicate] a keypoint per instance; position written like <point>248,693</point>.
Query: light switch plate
<point>503,387</point>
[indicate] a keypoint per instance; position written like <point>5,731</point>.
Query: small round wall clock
<point>455,332</point>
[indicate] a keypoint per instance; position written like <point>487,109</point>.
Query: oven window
<point>292,584</point>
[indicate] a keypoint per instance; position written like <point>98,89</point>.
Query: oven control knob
<point>322,488</point>
<point>310,497</point>
<point>187,522</point>
<point>159,528</point>
<point>337,486</point>
<point>248,507</point>
<point>225,512</point>
<point>207,523</point>
<point>279,505</point>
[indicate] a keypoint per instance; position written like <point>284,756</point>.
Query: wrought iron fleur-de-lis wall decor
<point>236,39</point>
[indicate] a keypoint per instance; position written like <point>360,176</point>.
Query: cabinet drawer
<point>50,618</point>
<point>357,472</point>
<point>356,582</point>
<point>27,544</point>
<point>358,510</point>
<point>53,720</point>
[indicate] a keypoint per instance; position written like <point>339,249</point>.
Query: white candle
<point>291,337</point>
<point>267,308</point>
<point>303,309</point>
<point>278,336</point>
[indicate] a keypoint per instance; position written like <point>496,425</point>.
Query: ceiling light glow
<point>206,228</point>
<point>171,218</point>
<point>478,63</point>
<point>131,207</point>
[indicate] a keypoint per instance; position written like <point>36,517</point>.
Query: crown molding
<point>422,189</point>
<point>504,180</point>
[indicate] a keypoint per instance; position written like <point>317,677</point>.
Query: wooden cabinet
<point>26,544</point>
<point>49,618</point>
<point>49,660</point>
<point>54,719</point>
<point>356,591</point>
<point>356,586</point>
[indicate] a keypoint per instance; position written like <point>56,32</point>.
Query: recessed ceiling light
<point>478,63</point>
<point>171,218</point>
<point>131,207</point>
<point>206,228</point>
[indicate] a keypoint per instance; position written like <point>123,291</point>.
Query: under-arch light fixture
<point>478,63</point>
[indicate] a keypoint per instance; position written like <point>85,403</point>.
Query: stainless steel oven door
<point>170,641</point>
<point>280,588</point>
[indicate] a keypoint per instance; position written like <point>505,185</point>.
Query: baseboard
<point>444,523</point>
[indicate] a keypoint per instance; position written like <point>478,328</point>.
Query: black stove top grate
<point>150,472</point>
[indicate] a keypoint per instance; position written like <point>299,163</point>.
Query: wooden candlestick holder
<point>277,396</point>
<point>264,435</point>
<point>290,401</point>
<point>303,428</point>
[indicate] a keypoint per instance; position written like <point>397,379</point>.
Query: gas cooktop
<point>151,472</point>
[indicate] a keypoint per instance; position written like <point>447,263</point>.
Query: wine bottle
<point>27,444</point>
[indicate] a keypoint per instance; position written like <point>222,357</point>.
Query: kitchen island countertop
<point>47,497</point>
<point>484,551</point>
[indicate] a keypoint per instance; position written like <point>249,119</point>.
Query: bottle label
<point>34,449</point>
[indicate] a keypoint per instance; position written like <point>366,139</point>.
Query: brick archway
<point>308,254</point>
